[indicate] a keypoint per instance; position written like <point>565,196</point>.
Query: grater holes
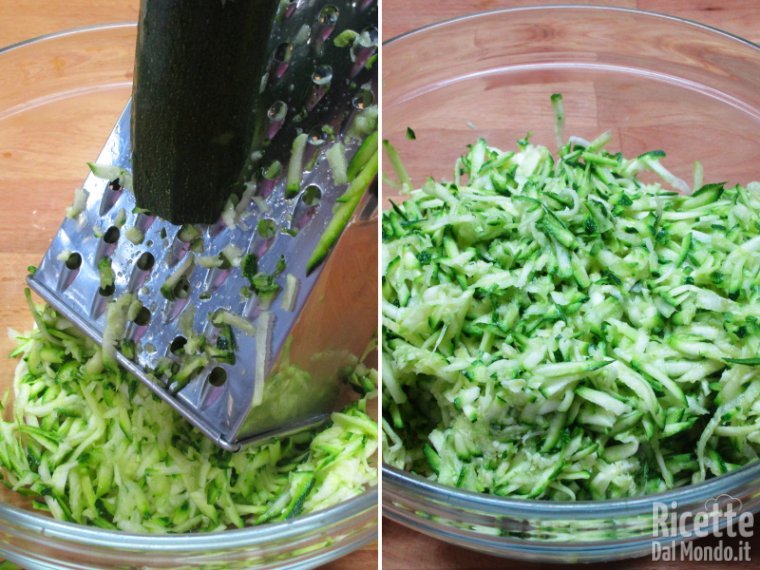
<point>182,288</point>
<point>174,309</point>
<point>217,376</point>
<point>321,78</point>
<point>270,174</point>
<point>312,195</point>
<point>111,195</point>
<point>144,221</point>
<point>360,54</point>
<point>143,265</point>
<point>371,31</point>
<point>281,59</point>
<point>328,16</point>
<point>306,208</point>
<point>215,279</point>
<point>322,74</point>
<point>112,235</point>
<point>348,121</point>
<point>284,52</point>
<point>266,228</point>
<point>143,317</point>
<point>178,344</point>
<point>107,243</point>
<point>288,8</point>
<point>277,111</point>
<point>106,291</point>
<point>146,261</point>
<point>363,99</point>
<point>188,233</point>
<point>266,231</point>
<point>73,261</point>
<point>326,21</point>
<point>276,115</point>
<point>177,251</point>
<point>317,136</point>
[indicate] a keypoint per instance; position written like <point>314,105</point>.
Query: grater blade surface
<point>283,375</point>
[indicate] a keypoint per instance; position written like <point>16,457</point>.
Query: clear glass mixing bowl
<point>656,82</point>
<point>59,98</point>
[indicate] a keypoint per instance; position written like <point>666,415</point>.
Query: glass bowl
<point>61,96</point>
<point>655,82</point>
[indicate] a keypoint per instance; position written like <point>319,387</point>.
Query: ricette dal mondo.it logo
<point>722,516</point>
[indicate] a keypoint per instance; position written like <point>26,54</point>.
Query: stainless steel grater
<point>284,375</point>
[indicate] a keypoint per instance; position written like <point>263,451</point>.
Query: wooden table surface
<point>21,20</point>
<point>740,17</point>
<point>404,548</point>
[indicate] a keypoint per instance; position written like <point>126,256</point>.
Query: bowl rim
<point>493,504</point>
<point>16,519</point>
<point>84,535</point>
<point>545,509</point>
<point>66,33</point>
<point>568,7</point>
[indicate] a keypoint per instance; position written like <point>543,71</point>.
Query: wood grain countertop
<point>403,548</point>
<point>25,19</point>
<point>740,17</point>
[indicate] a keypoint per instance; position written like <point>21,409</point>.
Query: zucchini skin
<point>198,69</point>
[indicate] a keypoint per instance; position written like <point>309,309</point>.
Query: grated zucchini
<point>554,327</point>
<point>94,446</point>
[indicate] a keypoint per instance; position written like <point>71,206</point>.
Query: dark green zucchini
<point>198,70</point>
